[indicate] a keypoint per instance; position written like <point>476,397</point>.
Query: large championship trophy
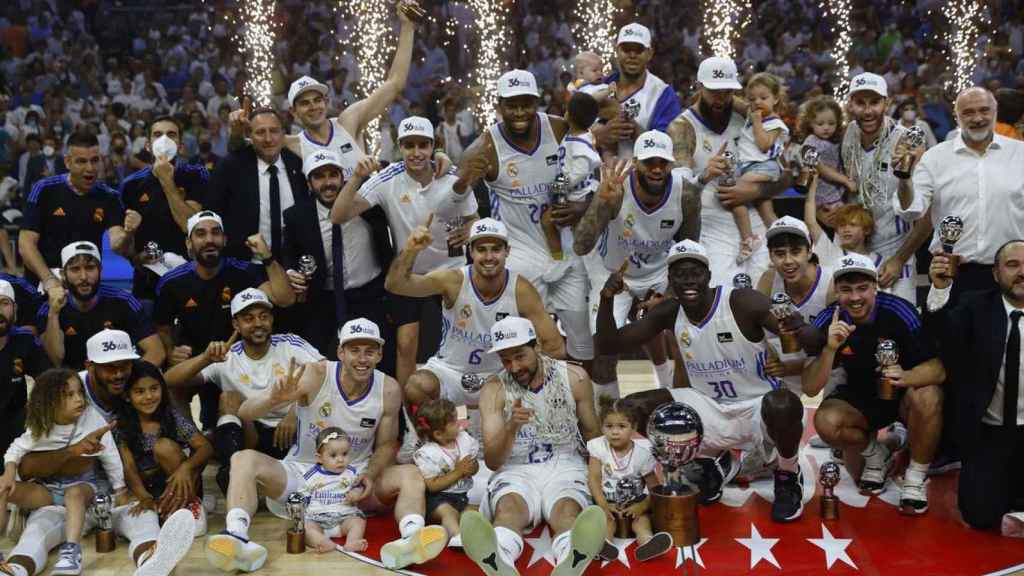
<point>103,510</point>
<point>809,159</point>
<point>829,477</point>
<point>887,355</point>
<point>307,267</point>
<point>675,432</point>
<point>782,308</point>
<point>627,492</point>
<point>950,229</point>
<point>296,537</point>
<point>914,138</point>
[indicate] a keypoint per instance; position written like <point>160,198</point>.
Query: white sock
<point>510,545</point>
<point>789,464</point>
<point>237,522</point>
<point>561,546</point>
<point>664,373</point>
<point>410,524</point>
<point>17,569</point>
<point>871,447</point>
<point>916,473</point>
<point>610,389</point>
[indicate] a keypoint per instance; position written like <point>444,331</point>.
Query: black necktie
<point>338,262</point>
<point>1011,380</point>
<point>275,213</point>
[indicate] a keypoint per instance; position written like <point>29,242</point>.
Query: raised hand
<point>520,415</point>
<point>179,354</point>
<point>938,271</point>
<point>420,237</point>
<point>286,389</point>
<point>838,331</point>
<point>238,120</point>
<point>92,443</point>
<point>258,246</point>
<point>163,169</point>
<point>474,169</point>
<point>132,221</point>
<point>615,282</point>
<point>717,165</point>
<point>57,297</point>
<point>610,191</point>
<point>366,166</point>
<point>218,351</point>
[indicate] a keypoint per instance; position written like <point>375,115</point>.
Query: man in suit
<point>253,186</point>
<point>350,258</point>
<point>981,345</point>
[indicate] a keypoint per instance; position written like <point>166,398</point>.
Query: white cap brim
<point>722,85</point>
<point>116,357</point>
<point>840,272</point>
<point>776,230</point>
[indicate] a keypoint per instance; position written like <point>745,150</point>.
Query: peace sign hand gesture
<point>286,389</point>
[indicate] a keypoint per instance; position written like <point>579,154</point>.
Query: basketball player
<point>535,413</point>
<point>350,394</point>
<point>720,335</point>
<point>518,158</point>
<point>639,212</point>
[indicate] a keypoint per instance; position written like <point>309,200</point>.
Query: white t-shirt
<point>747,148</point>
<point>625,474</point>
<point>434,460</point>
<point>251,378</point>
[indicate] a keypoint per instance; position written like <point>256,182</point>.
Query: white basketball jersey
<point>809,308</point>
<point>522,191</point>
<point>340,141</point>
<point>358,417</point>
<point>466,326</point>
<point>554,409</point>
<point>643,235</point>
<point>721,363</point>
<point>640,106</point>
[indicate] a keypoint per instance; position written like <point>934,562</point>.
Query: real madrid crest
<point>705,144</point>
<point>325,410</point>
<point>684,337</point>
<point>511,169</point>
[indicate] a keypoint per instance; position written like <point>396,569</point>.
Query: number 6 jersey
<point>720,362</point>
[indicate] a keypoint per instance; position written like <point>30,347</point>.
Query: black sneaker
<point>711,475</point>
<point>658,545</point>
<point>789,496</point>
<point>608,553</point>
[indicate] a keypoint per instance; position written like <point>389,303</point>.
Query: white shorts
<point>461,387</point>
<point>568,291</point>
<point>540,485</point>
<point>727,426</point>
<point>721,239</point>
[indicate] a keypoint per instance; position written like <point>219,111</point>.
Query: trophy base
<point>829,508</point>
<point>676,513</point>
<point>623,527</point>
<point>954,265</point>
<point>901,174</point>
<point>886,391</point>
<point>455,252</point>
<point>790,343</point>
<point>105,541</point>
<point>296,542</point>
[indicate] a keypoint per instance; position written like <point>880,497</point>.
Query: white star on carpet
<point>760,548</point>
<point>691,552</point>
<point>621,544</point>
<point>541,548</point>
<point>835,548</point>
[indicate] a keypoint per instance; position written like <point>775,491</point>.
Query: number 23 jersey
<point>720,362</point>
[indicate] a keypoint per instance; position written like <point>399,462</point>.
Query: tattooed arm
<point>684,140</point>
<point>602,209</point>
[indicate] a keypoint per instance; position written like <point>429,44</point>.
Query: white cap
<point>687,250</point>
<point>869,81</point>
<point>788,225</point>
<point>249,297</point>
<point>511,332</point>
<point>854,262</point>
<point>322,157</point>
<point>653,144</point>
<point>359,329</point>
<point>634,33</point>
<point>718,73</point>
<point>303,84</point>
<point>108,346</point>
<point>7,290</point>
<point>415,126</point>
<point>77,249</point>
<point>488,228</point>
<point>517,83</point>
<point>203,216</point>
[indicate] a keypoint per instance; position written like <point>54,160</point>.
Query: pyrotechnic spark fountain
<point>839,12</point>
<point>492,31</point>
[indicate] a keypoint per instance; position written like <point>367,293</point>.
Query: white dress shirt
<point>361,263</point>
<point>287,198</point>
<point>985,190</point>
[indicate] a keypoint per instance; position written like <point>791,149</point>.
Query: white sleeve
<point>776,124</point>
<point>304,352</point>
<point>429,467</point>
<point>827,250</point>
<point>213,374</point>
<point>937,297</point>
<point>472,445</point>
<point>645,465</point>
<point>595,447</point>
<point>581,162</point>
<point>371,192</point>
<point>111,460</point>
<point>468,205</point>
<point>22,445</point>
<point>923,182</point>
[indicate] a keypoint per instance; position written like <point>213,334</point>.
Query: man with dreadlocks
<point>537,413</point>
<point>871,145</point>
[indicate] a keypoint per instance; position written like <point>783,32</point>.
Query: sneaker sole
<point>659,544</point>
<point>65,572</point>
<point>945,468</point>
<point>228,554</point>
<point>609,553</point>
<point>426,545</point>
<point>481,545</point>
<point>172,544</point>
<point>876,490</point>
<point>909,510</point>
<point>588,538</point>
<point>799,512</point>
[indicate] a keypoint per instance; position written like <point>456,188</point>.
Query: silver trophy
<point>560,190</point>
<point>782,308</point>
<point>296,508</point>
<point>153,252</point>
<point>675,431</point>
<point>103,511</point>
<point>742,280</point>
<point>729,178</point>
<point>625,492</point>
<point>809,160</point>
<point>914,138</point>
<point>307,267</point>
<point>886,355</point>
<point>950,230</point>
<point>828,476</point>
<point>450,226</point>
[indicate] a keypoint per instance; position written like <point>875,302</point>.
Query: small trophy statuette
<point>412,10</point>
<point>624,494</point>
<point>450,226</point>
<point>829,478</point>
<point>808,163</point>
<point>950,230</point>
<point>729,178</point>
<point>307,267</point>
<point>296,536</point>
<point>914,138</point>
<point>887,355</point>
<point>103,510</point>
<point>153,252</point>
<point>742,280</point>
<point>782,308</point>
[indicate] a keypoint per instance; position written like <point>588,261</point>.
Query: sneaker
<point>789,496</point>
<point>172,544</point>
<point>199,516</point>
<point>914,498</point>
<point>817,442</point>
<point>422,546</point>
<point>455,541</point>
<point>481,544</point>
<point>410,440</point>
<point>69,560</point>
<point>15,522</point>
<point>608,553</point>
<point>588,538</point>
<point>898,431</point>
<point>943,464</point>
<point>711,475</point>
<point>658,545</point>
<point>876,470</point>
<point>11,569</point>
<point>753,466</point>
<point>230,553</point>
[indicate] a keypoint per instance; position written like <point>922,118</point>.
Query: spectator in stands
<point>21,355</point>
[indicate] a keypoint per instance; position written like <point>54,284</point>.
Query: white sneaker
<point>455,541</point>
<point>876,470</point>
<point>172,544</point>
<point>69,560</point>
<point>914,498</point>
<point>422,546</point>
<point>199,516</point>
<point>230,553</point>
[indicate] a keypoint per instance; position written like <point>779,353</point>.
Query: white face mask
<point>909,115</point>
<point>48,151</point>
<point>164,146</point>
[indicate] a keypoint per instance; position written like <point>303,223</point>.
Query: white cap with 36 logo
<point>415,126</point>
<point>855,263</point>
<point>511,332</point>
<point>302,85</point>
<point>870,82</point>
<point>488,228</point>
<point>318,159</point>
<point>636,34</point>
<point>653,144</point>
<point>249,297</point>
<point>359,329</point>
<point>517,83</point>
<point>718,73</point>
<point>687,250</point>
<point>108,346</point>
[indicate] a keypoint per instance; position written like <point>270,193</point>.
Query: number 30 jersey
<point>466,326</point>
<point>720,362</point>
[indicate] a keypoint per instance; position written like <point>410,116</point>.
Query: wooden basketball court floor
<point>266,529</point>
